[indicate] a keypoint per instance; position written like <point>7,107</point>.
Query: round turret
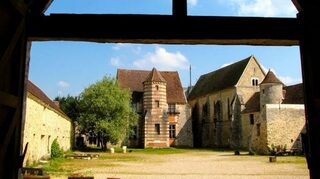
<point>271,90</point>
<point>155,91</point>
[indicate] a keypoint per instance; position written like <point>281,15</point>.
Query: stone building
<point>274,116</point>
<point>226,107</point>
<point>158,98</point>
<point>44,122</point>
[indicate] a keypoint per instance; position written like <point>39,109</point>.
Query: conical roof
<point>271,78</point>
<point>155,76</point>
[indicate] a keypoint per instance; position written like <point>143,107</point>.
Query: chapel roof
<point>220,79</point>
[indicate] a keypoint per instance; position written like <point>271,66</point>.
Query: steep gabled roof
<point>220,79</point>
<point>154,75</point>
<point>253,104</point>
<point>271,78</point>
<point>38,93</point>
<point>294,94</point>
<point>133,79</point>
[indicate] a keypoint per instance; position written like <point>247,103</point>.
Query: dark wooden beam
<point>5,58</point>
<point>179,8</point>
<point>9,100</point>
<point>166,29</point>
<point>309,18</point>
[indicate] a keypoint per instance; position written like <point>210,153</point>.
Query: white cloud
<point>115,61</point>
<point>119,46</point>
<point>288,80</point>
<point>193,2</point>
<point>63,84</point>
<point>162,60</point>
<point>264,8</point>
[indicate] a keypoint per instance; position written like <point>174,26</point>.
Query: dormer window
<point>254,81</point>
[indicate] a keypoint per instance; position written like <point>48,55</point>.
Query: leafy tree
<point>70,105</point>
<point>106,111</point>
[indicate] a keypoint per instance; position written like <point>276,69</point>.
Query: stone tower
<point>156,128</point>
<point>270,90</point>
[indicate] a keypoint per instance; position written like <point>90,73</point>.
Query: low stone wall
<point>43,124</point>
<point>285,122</point>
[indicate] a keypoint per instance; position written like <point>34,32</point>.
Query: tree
<point>70,105</point>
<point>106,111</point>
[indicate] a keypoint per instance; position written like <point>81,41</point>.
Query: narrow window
<point>157,103</point>
<point>172,131</point>
<point>157,128</point>
<point>254,81</point>
<point>251,119</point>
<point>172,108</point>
<point>258,129</point>
<point>157,87</point>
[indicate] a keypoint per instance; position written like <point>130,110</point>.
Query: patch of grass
<point>56,167</point>
<point>292,159</point>
<point>162,151</point>
<point>119,157</point>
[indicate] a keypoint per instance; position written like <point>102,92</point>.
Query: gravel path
<point>202,165</point>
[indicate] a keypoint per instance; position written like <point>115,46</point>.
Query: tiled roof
<point>38,93</point>
<point>253,104</point>
<point>154,75</point>
<point>133,79</point>
<point>220,79</point>
<point>294,94</point>
<point>271,78</point>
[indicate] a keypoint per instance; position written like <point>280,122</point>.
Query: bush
<point>56,151</point>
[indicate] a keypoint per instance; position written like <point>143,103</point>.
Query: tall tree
<point>106,111</point>
<point>70,105</point>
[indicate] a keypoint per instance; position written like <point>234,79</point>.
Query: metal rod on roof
<point>179,8</point>
<point>190,77</point>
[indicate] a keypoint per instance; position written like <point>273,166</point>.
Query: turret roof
<point>155,76</point>
<point>271,78</point>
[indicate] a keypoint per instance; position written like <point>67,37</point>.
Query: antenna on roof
<point>190,76</point>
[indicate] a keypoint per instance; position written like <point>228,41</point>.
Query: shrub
<point>56,151</point>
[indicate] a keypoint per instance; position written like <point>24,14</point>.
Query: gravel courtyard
<point>190,164</point>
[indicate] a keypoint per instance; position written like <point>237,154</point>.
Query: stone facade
<point>283,125</point>
<point>216,114</point>
<point>159,99</point>
<point>232,107</point>
<point>276,124</point>
<point>43,124</point>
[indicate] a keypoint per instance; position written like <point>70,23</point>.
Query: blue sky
<point>62,68</point>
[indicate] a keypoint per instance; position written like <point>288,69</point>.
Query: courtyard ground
<point>180,163</point>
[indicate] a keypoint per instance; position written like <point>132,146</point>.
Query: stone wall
<point>247,128</point>
<point>280,124</point>
<point>285,123</point>
<point>214,134</point>
<point>42,125</point>
<point>184,126</point>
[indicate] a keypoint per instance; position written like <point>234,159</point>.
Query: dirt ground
<point>194,164</point>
